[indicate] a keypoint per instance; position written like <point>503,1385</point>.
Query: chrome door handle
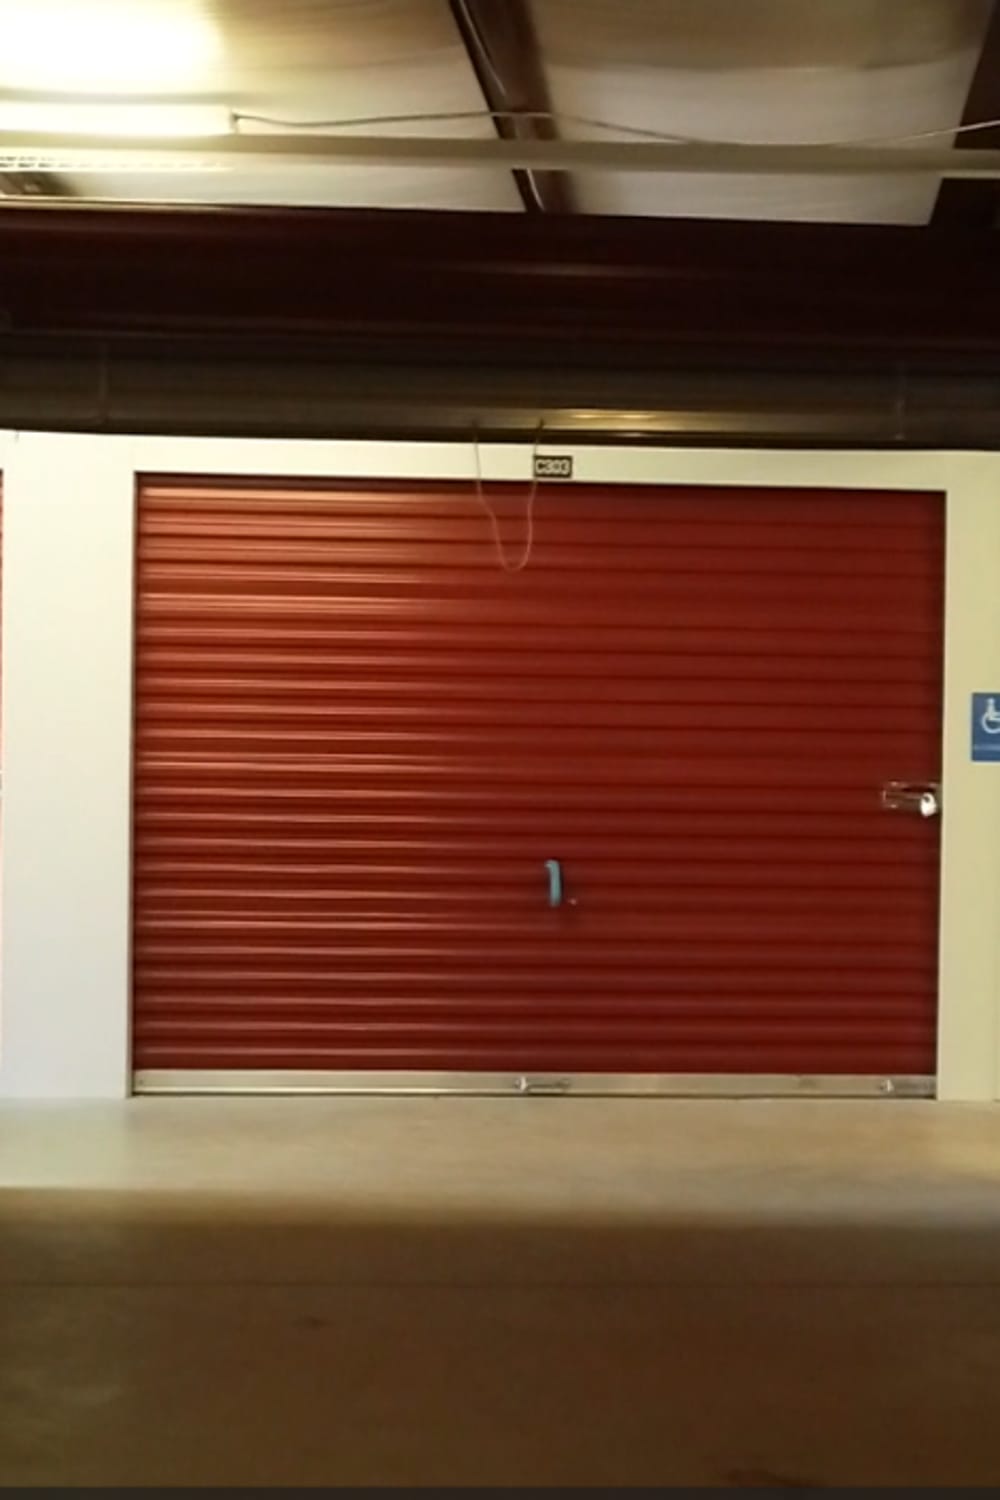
<point>554,870</point>
<point>922,797</point>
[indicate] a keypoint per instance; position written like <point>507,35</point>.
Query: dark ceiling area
<point>405,304</point>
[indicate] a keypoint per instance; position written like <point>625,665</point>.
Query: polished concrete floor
<point>534,1291</point>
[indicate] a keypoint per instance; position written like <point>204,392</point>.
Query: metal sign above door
<point>553,466</point>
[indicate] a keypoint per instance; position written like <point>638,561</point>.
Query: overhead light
<point>18,162</point>
<point>135,121</point>
<point>113,46</point>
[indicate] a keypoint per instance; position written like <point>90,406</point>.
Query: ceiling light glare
<point>16,161</point>
<point>105,46</point>
<point>131,121</point>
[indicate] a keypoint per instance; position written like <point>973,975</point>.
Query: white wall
<point>969,1048</point>
<point>67,686</point>
<point>67,670</point>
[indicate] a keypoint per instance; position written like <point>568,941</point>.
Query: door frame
<point>68,624</point>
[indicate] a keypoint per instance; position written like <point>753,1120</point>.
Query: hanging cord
<point>240,117</point>
<point>529,544</point>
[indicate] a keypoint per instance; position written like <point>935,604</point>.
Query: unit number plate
<point>553,466</point>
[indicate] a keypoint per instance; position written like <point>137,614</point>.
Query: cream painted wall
<point>67,691</point>
<point>67,686</point>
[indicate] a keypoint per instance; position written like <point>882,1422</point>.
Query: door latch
<point>921,797</point>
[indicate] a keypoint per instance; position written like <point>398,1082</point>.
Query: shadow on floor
<point>203,1338</point>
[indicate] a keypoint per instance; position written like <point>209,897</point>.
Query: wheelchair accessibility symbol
<point>986,726</point>
<point>990,717</point>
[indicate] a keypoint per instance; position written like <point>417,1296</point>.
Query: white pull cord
<point>529,544</point>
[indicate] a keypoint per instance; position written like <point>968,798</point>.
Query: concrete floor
<point>533,1291</point>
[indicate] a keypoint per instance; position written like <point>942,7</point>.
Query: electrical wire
<point>589,122</point>
<point>928,135</point>
<point>454,116</point>
<point>529,545</point>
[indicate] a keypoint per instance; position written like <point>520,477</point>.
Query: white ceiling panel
<point>318,60</point>
<point>315,187</point>
<point>779,71</point>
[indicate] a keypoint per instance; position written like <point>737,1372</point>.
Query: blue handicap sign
<point>986,726</point>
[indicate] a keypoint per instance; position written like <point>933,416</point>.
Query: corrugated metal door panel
<point>358,739</point>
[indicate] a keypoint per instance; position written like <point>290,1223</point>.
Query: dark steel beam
<point>502,288</point>
<point>200,387</point>
<point>976,205</point>
<point>500,38</point>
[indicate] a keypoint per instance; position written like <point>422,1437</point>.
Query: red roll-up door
<point>359,741</point>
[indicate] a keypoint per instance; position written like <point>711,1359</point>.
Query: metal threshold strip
<point>628,1085</point>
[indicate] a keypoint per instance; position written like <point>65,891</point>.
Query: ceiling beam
<point>976,205</point>
<point>500,38</point>
<point>98,155</point>
<point>500,287</point>
<point>196,386</point>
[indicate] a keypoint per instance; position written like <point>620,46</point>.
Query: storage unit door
<point>400,808</point>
